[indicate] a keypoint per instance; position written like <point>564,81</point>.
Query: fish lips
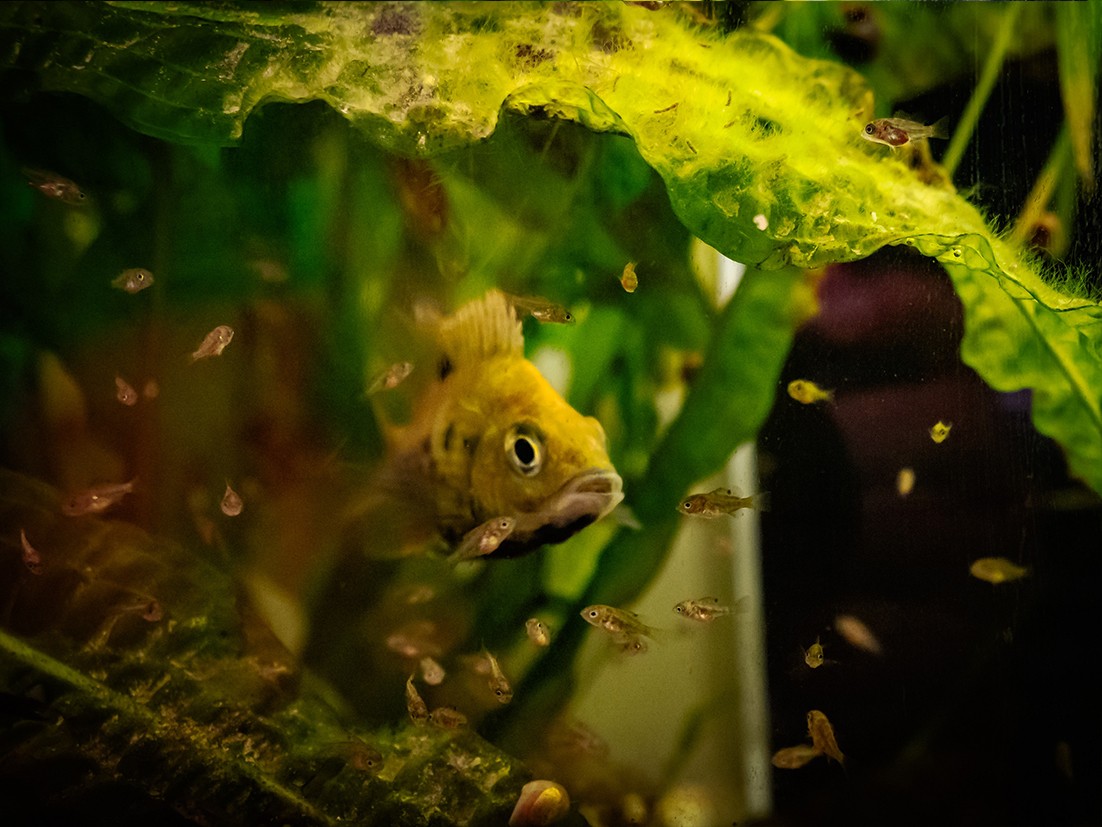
<point>583,500</point>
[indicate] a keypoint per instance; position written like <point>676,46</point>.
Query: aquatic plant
<point>758,153</point>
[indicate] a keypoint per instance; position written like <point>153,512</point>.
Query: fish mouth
<point>583,499</point>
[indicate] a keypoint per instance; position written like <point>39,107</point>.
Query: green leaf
<point>759,147</point>
<point>1020,333</point>
<point>193,707</point>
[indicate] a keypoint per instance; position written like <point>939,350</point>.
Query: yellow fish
<point>537,631</point>
<point>792,758</point>
<point>134,280</point>
<point>822,735</point>
<point>390,378</point>
<point>905,481</point>
<point>447,717</point>
<point>628,279</point>
<point>721,501</point>
<point>498,683</point>
<point>940,431</point>
<point>415,704</point>
<point>485,539</point>
<point>703,609</point>
<point>997,570</point>
<point>813,655</point>
<point>542,310</point>
<point>490,438</point>
<point>807,392</point>
<point>620,623</point>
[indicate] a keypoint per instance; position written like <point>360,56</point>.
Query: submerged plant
<point>759,153</point>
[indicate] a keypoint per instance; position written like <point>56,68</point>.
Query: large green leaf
<point>758,146</point>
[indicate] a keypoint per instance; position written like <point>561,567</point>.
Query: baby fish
<point>422,196</point>
<point>703,609</point>
<point>432,672</point>
<point>542,310</point>
<point>792,758</point>
<point>214,343</point>
<point>134,280</point>
<point>484,539</point>
<point>619,623</point>
<point>447,717</point>
<point>807,392</point>
<point>540,803</point>
<point>498,683</point>
<point>822,735</point>
<point>31,558</point>
<point>124,392</point>
<point>895,132</point>
<point>813,655</point>
<point>54,186</point>
<point>940,432</point>
<point>997,570</point>
<point>416,639</point>
<point>361,756</point>
<point>857,634</point>
<point>719,502</point>
<point>96,500</point>
<point>415,704</point>
<point>390,378</point>
<point>569,740</point>
<point>151,390</point>
<point>537,631</point>
<point>232,504</point>
<point>628,280</point>
<point>150,610</point>
<point>905,481</point>
<point>416,593</point>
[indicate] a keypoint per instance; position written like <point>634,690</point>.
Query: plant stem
<point>972,111</point>
<point>1039,197</point>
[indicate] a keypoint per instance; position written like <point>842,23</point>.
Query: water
<point>251,666</point>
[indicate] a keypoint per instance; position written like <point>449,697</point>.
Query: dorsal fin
<point>481,329</point>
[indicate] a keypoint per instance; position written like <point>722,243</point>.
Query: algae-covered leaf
<point>1022,334</point>
<point>136,682</point>
<point>759,147</point>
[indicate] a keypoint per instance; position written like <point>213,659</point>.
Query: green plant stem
<point>1041,194</point>
<point>990,74</point>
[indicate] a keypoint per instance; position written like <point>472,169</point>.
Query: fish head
<point>502,442</point>
<point>538,460</point>
<point>693,504</point>
<point>599,615</point>
<point>884,132</point>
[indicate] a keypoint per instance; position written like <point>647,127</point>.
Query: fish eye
<point>592,612</point>
<point>868,129</point>
<point>524,449</point>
